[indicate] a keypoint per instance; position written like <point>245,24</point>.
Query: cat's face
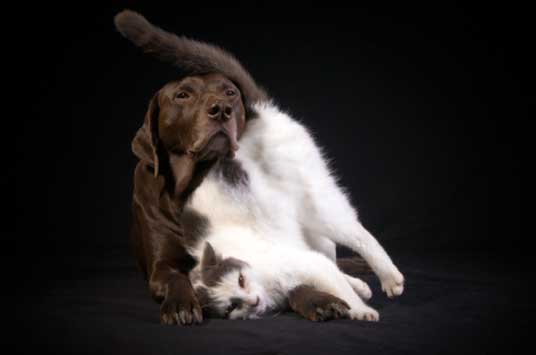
<point>238,295</point>
<point>230,288</point>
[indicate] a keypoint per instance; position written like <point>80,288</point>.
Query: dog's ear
<point>146,143</point>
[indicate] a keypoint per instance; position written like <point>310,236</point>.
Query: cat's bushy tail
<point>193,57</point>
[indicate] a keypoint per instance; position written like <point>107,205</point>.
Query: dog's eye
<point>241,281</point>
<point>182,95</point>
<point>230,92</point>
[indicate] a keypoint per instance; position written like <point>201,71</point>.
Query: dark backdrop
<point>419,109</point>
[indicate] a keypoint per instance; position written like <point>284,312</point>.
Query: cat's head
<point>229,288</point>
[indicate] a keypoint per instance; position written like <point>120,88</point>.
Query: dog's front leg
<point>159,243</point>
<point>316,305</point>
<point>167,268</point>
<point>172,289</point>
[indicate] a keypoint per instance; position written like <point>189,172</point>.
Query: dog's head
<point>199,116</point>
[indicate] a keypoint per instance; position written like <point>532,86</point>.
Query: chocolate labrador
<point>190,124</point>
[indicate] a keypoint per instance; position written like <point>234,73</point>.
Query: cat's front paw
<point>364,313</point>
<point>393,283</point>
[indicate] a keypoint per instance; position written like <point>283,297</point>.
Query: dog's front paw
<point>181,312</point>
<point>330,310</point>
<point>364,313</point>
<point>317,305</point>
<point>322,307</point>
<point>393,283</point>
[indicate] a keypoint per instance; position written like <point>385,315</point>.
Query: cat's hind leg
<point>358,309</point>
<point>360,287</point>
<point>328,278</point>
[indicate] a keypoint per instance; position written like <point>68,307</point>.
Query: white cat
<point>276,197</point>
<point>236,283</point>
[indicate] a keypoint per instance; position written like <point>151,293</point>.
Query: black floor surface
<point>422,111</point>
<point>454,303</point>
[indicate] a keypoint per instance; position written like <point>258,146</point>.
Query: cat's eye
<point>182,95</point>
<point>230,92</point>
<point>241,281</point>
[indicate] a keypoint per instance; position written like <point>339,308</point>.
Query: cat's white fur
<point>291,200</point>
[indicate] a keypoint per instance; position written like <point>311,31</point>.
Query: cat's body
<point>277,199</point>
<point>251,283</point>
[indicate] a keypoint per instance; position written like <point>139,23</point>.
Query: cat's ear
<point>210,258</point>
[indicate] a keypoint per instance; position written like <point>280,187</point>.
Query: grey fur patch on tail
<point>192,56</point>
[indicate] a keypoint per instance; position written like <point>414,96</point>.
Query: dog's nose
<point>219,111</point>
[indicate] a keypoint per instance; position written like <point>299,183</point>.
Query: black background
<point>419,109</point>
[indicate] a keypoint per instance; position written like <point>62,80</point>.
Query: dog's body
<point>277,183</point>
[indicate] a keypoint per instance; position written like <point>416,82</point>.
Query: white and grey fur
<point>283,213</point>
<point>252,283</point>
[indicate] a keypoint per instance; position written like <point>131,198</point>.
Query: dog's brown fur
<point>316,305</point>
